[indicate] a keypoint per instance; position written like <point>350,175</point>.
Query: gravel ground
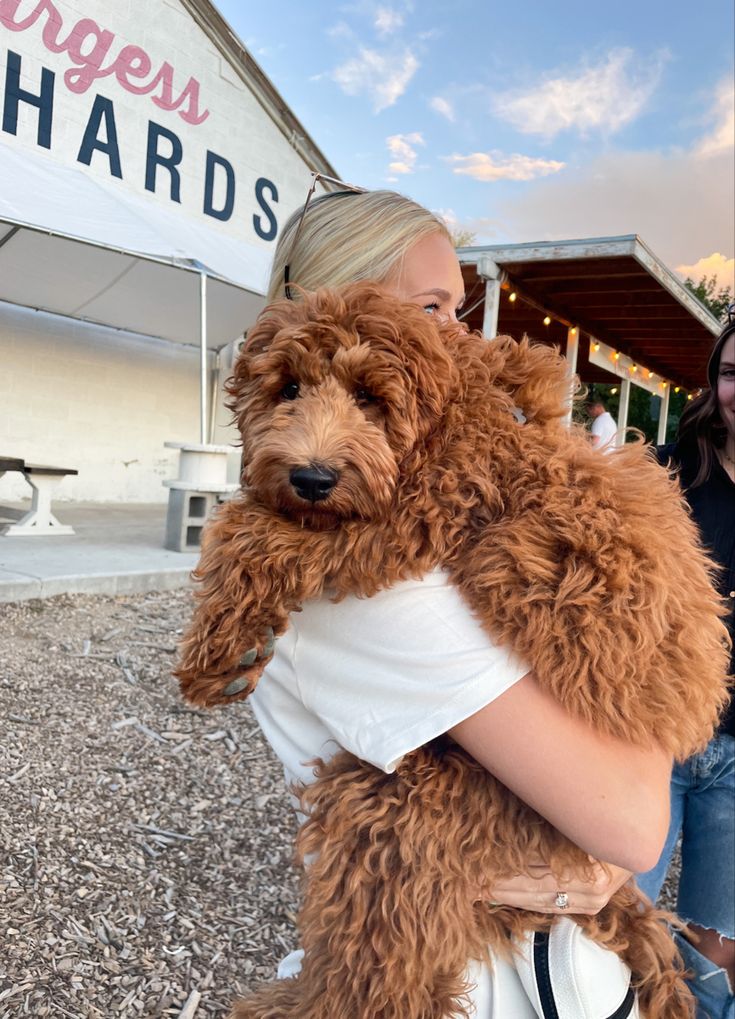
<point>145,847</point>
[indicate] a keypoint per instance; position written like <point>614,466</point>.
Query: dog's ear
<point>272,320</point>
<point>535,375</point>
<point>414,341</point>
<point>431,365</point>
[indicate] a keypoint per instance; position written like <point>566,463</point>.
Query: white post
<point>663,417</point>
<point>492,309</point>
<point>571,354</point>
<point>623,412</point>
<point>203,381</point>
<point>493,276</point>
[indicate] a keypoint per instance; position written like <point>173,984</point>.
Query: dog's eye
<point>290,391</point>
<point>363,395</point>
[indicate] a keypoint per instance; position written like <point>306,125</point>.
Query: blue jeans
<point>703,812</point>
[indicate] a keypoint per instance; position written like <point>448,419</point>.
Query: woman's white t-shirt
<point>379,677</point>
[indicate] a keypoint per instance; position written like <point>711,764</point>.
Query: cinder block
<point>187,513</point>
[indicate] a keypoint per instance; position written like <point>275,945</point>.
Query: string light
<point>689,396</point>
<point>677,388</point>
<point>512,296</point>
<point>650,374</point>
<point>634,367</point>
<point>616,356</point>
<point>664,385</point>
<point>547,321</point>
<point>613,391</point>
<point>595,346</point>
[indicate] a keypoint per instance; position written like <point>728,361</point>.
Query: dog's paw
<point>235,683</point>
<point>250,667</point>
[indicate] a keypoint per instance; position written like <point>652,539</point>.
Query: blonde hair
<point>349,236</point>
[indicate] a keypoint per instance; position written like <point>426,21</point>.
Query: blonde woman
<point>382,676</point>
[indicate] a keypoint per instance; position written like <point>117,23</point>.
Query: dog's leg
<point>386,920</point>
<point>254,570</point>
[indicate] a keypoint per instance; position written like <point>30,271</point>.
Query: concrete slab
<point>116,549</point>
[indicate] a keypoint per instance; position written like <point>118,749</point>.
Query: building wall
<point>83,396</point>
<point>100,400</point>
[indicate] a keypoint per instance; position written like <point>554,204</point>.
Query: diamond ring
<point>562,900</point>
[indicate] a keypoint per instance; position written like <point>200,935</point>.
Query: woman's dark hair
<point>701,428</point>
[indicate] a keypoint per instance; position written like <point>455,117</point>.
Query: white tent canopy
<point>71,246</point>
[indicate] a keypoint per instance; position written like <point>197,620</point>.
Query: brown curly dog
<point>377,445</point>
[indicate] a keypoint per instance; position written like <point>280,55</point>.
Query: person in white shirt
<point>381,676</point>
<point>604,428</point>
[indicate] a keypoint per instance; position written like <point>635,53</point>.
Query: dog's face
<point>331,393</point>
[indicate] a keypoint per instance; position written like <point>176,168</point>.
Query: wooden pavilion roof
<point>613,288</point>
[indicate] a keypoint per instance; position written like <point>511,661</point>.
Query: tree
<point>706,291</point>
<point>462,238</point>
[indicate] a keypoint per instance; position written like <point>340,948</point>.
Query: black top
<point>713,509</point>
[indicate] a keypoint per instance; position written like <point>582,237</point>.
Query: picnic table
<point>44,480</point>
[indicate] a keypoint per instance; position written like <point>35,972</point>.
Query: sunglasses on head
<point>344,189</point>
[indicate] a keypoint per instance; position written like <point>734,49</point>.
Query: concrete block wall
<point>104,401</point>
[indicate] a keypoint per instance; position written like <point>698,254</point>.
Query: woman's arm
<point>607,796</point>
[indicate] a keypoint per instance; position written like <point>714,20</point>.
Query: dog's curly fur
<point>588,566</point>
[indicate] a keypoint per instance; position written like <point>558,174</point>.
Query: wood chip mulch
<point>145,847</point>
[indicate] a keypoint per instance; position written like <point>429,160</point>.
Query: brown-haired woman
<point>703,788</point>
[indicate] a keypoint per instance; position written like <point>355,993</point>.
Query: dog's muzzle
<point>313,483</point>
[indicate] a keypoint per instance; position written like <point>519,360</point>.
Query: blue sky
<point>529,121</point>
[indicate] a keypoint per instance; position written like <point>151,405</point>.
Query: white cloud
<point>401,147</point>
<point>489,167</point>
<point>340,30</point>
<point>442,106</point>
<point>680,204</point>
<point>383,77</point>
<point>605,97</point>
<point>722,136</point>
<point>387,20</point>
<point>717,265</point>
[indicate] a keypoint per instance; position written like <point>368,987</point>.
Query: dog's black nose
<point>314,482</point>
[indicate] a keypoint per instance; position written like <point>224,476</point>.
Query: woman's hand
<point>537,890</point>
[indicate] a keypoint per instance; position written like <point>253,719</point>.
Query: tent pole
<point>203,423</point>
